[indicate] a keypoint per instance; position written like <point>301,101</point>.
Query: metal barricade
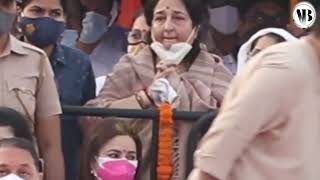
<point>143,114</point>
<point>199,129</point>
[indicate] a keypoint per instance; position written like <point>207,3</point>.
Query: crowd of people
<point>241,57</point>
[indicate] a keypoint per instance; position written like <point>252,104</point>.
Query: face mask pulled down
<point>177,52</point>
<point>11,177</point>
<point>119,169</point>
<point>43,31</point>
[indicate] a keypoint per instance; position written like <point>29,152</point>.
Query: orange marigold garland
<point>164,166</point>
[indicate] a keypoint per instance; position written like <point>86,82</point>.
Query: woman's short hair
<point>196,9</point>
<point>13,119</point>
<point>101,135</point>
<point>22,144</point>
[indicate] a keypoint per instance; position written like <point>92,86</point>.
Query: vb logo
<point>304,15</point>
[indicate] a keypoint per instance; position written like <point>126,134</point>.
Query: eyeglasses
<point>137,36</point>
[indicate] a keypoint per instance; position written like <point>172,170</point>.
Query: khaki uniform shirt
<point>27,82</point>
<point>269,124</point>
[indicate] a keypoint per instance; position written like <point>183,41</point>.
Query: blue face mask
<point>43,31</point>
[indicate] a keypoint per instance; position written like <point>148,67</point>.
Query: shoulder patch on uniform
<point>34,48</point>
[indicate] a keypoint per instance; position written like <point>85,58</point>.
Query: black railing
<point>129,113</point>
<point>198,130</point>
<point>204,119</point>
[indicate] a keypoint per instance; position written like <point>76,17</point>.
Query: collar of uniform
<point>58,55</point>
<point>17,46</point>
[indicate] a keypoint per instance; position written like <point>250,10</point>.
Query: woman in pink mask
<point>111,153</point>
<point>173,69</point>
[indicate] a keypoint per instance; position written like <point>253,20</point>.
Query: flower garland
<point>164,166</point>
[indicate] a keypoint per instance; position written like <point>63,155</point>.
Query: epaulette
<point>33,48</point>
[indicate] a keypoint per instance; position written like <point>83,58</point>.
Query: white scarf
<point>244,51</point>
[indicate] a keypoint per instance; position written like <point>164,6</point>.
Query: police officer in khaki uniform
<point>27,85</point>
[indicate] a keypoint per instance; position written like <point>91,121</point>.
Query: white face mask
<point>177,51</point>
<point>225,19</point>
<point>102,160</point>
<point>11,177</point>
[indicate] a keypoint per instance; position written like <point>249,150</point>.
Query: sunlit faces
<point>171,22</point>
<point>44,8</point>
<point>17,161</point>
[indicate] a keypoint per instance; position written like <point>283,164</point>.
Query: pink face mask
<point>115,169</point>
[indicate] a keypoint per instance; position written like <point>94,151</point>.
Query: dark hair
<point>23,144</point>
<point>196,9</point>
<point>274,36</point>
<point>245,5</point>
<point>13,119</point>
<point>24,3</point>
<point>138,14</point>
<point>101,135</point>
